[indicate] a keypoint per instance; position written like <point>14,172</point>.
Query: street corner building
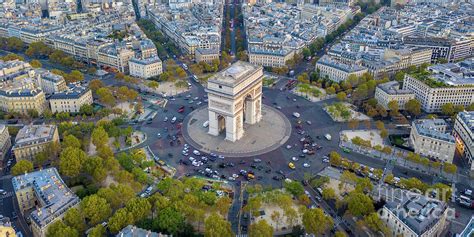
<point>33,139</point>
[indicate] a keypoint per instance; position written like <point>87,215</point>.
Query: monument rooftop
<point>235,74</point>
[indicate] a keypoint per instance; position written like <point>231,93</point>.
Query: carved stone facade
<point>235,98</point>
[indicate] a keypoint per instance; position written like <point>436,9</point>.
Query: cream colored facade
<point>5,142</point>
<point>22,102</point>
<point>116,58</point>
<point>338,71</point>
<point>464,134</point>
<point>206,55</point>
<point>33,139</point>
<point>429,138</point>
<point>432,98</point>
<point>390,91</point>
<point>145,68</point>
<point>235,98</point>
<point>70,101</point>
<point>269,58</point>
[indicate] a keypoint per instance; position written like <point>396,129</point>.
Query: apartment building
<point>346,3</point>
<point>33,139</point>
<point>451,50</point>
<point>5,142</point>
<point>146,67</point>
<point>45,194</point>
<point>445,83</point>
<point>49,82</point>
<point>71,100</point>
<point>415,215</point>
<point>336,70</point>
<point>390,91</point>
<point>206,55</point>
<point>269,57</point>
<point>464,134</point>
<point>115,56</point>
<point>22,100</point>
<point>429,138</point>
<point>8,68</point>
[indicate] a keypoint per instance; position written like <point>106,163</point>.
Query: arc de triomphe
<point>235,98</point>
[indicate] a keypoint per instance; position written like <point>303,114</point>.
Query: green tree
<point>341,96</point>
<point>393,107</point>
<point>447,109</point>
<point>170,220</point>
<point>139,208</point>
<point>374,222</point>
<point>97,231</point>
<point>38,49</point>
<point>35,63</point>
<point>86,110</point>
<point>260,229</point>
<point>413,107</point>
<point>74,219</point>
<point>59,229</point>
<point>295,188</point>
<point>329,193</point>
<point>315,222</point>
<point>335,159</point>
<point>105,96</point>
<point>14,44</point>
<point>71,141</point>
<point>306,53</point>
<point>359,204</point>
<point>117,195</point>
<point>450,168</point>
<point>99,137</point>
<point>339,234</point>
<point>399,76</point>
<point>12,56</point>
<point>119,220</point>
<point>95,209</point>
<point>74,76</point>
<point>21,167</point>
<point>70,161</point>
<point>216,226</point>
<point>153,84</point>
<point>95,84</point>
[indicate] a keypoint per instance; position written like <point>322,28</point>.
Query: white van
<point>206,124</point>
<point>296,114</point>
<point>173,120</point>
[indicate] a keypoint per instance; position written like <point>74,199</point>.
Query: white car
<point>294,158</point>
<point>221,157</point>
<point>235,176</point>
<point>166,119</point>
<point>199,103</point>
<point>196,152</point>
<point>296,114</point>
<point>288,146</point>
<point>192,159</point>
<point>305,151</point>
<point>306,165</point>
<point>308,122</point>
<point>326,160</point>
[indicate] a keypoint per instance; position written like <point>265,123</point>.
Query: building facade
<point>464,134</point>
<point>145,68</point>
<point>33,139</point>
<point>390,91</point>
<point>338,71</point>
<point>430,139</point>
<point>71,100</point>
<point>206,55</point>
<point>5,141</point>
<point>45,192</point>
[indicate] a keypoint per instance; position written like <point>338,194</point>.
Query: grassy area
<point>339,110</point>
<point>309,90</point>
<point>425,77</point>
<point>268,81</point>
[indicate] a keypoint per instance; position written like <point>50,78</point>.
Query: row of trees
<point>162,43</point>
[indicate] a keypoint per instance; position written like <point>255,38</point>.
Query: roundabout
<point>269,134</point>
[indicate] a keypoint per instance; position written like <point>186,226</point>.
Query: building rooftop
<point>348,68</point>
<point>145,61</point>
<point>133,231</point>
<point>466,116</point>
<point>393,88</point>
<point>34,134</point>
<point>55,197</point>
<point>418,212</point>
<point>433,128</point>
<point>73,92</point>
<point>235,73</point>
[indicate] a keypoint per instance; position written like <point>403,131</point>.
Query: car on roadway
<point>173,120</point>
<point>294,158</point>
<point>196,152</point>
<point>291,165</point>
<point>306,165</point>
<point>309,122</point>
<point>296,115</point>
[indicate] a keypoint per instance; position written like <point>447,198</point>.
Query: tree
<point>35,63</point>
<point>353,124</point>
<point>74,219</point>
<point>389,178</point>
<point>119,220</point>
<point>74,76</point>
<point>59,229</point>
<point>330,90</point>
<point>116,195</point>
<point>339,234</point>
<point>95,84</point>
<point>447,109</point>
<point>399,76</point>
<point>215,226</point>
<point>315,222</point>
<point>374,222</point>
<point>139,208</point>
<point>71,141</point>
<point>450,168</point>
<point>38,49</point>
<point>153,84</point>
<point>12,56</point>
<point>335,159</point>
<point>170,220</point>
<point>99,137</point>
<point>21,167</point>
<point>329,193</point>
<point>384,133</point>
<point>359,204</point>
<point>393,107</point>
<point>413,107</point>
<point>86,109</point>
<point>341,96</point>
<point>295,188</point>
<point>379,125</point>
<point>260,228</point>
<point>105,96</point>
<point>70,161</point>
<point>97,231</point>
<point>95,209</point>
<point>14,44</point>
<point>242,55</point>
